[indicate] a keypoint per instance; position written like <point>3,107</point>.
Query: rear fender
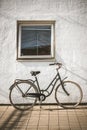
<point>15,81</point>
<point>11,87</point>
<point>20,80</point>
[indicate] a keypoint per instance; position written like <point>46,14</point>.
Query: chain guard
<point>40,96</point>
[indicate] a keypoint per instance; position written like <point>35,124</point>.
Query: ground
<point>49,117</point>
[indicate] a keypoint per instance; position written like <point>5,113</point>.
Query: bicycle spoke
<point>19,98</point>
<point>71,100</point>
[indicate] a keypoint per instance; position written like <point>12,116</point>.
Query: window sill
<point>36,60</point>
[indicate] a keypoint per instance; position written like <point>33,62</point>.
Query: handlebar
<point>59,64</point>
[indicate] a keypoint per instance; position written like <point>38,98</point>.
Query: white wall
<point>70,40</point>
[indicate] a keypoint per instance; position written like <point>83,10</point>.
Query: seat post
<point>36,79</point>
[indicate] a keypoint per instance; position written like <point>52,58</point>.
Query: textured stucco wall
<point>70,40</point>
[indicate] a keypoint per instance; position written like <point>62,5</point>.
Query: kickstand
<point>40,103</point>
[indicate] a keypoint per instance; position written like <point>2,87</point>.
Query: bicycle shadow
<point>64,67</point>
<point>12,119</point>
<point>57,107</point>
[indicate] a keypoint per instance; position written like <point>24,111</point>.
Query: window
<point>35,40</point>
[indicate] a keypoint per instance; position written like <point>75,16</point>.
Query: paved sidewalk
<point>47,118</point>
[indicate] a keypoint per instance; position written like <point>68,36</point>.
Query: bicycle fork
<point>62,84</point>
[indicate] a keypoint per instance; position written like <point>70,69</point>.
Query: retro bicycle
<point>24,94</point>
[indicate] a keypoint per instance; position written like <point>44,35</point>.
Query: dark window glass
<point>35,40</point>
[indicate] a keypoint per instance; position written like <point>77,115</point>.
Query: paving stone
<point>47,118</point>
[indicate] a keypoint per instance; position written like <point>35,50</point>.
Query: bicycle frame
<point>52,83</point>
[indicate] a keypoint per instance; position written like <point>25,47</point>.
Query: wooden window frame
<point>36,23</point>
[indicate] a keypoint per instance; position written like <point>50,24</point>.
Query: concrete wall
<point>70,40</point>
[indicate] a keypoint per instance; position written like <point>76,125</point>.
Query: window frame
<point>35,23</point>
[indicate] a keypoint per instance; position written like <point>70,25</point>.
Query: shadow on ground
<point>11,119</point>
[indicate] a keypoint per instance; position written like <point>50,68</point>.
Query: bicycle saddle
<point>34,73</point>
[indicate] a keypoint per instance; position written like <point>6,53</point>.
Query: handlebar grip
<point>59,64</point>
<point>52,64</point>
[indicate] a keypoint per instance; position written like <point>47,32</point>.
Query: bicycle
<point>25,93</point>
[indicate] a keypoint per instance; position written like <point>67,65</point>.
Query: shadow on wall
<point>38,65</point>
<point>72,72</point>
<point>3,93</point>
<point>77,75</point>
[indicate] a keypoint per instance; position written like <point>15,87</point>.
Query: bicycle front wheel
<point>68,96</point>
<point>19,95</point>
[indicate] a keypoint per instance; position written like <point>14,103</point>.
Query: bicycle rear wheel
<point>70,96</point>
<point>18,95</point>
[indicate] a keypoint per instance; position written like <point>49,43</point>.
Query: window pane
<point>36,40</point>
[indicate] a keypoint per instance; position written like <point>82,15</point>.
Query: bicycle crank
<point>42,97</point>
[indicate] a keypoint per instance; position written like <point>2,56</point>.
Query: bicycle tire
<point>16,98</point>
<point>71,96</point>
